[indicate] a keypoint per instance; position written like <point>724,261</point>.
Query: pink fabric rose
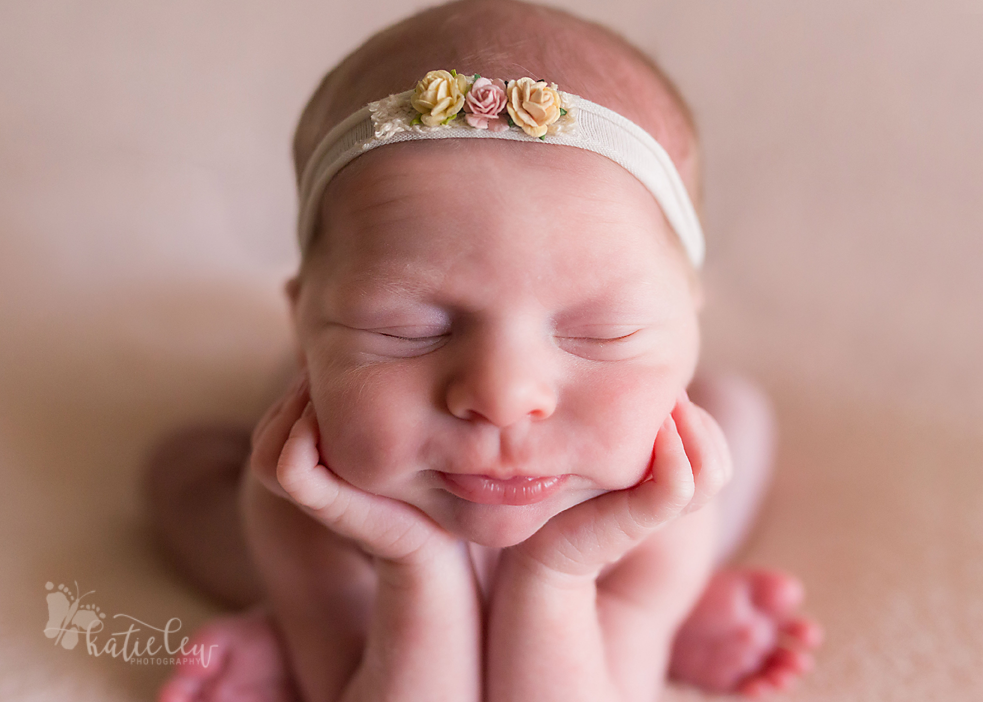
<point>484,102</point>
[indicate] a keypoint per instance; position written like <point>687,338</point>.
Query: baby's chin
<point>501,526</point>
<point>495,536</point>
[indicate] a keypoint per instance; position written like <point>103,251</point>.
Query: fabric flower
<point>533,105</point>
<point>484,102</point>
<point>439,96</point>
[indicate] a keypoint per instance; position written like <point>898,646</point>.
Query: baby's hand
<point>690,464</point>
<point>420,638</point>
<point>286,459</point>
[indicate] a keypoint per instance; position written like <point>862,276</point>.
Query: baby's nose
<point>502,382</point>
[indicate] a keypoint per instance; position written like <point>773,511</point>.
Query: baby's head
<point>495,330</point>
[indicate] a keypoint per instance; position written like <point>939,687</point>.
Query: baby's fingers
<point>706,448</point>
<point>298,461</point>
<point>587,537</point>
<point>381,526</point>
<point>654,502</point>
<point>298,387</point>
<point>271,434</point>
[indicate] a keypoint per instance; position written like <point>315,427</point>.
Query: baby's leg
<point>744,633</point>
<point>192,486</point>
<point>197,486</point>
<point>744,413</point>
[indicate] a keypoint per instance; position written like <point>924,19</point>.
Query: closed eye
<point>405,342</point>
<point>410,337</point>
<point>603,338</point>
<point>607,345</point>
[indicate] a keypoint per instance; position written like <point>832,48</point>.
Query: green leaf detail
<point>454,72</point>
<point>542,138</point>
<point>416,120</point>
<point>477,76</point>
<point>563,112</point>
<point>449,119</point>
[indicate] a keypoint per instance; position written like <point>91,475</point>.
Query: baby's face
<point>494,332</point>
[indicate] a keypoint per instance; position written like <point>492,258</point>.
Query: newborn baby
<point>488,481</point>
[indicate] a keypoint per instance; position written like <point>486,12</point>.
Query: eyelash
<point>436,337</point>
<point>588,347</point>
<point>602,339</point>
<point>432,338</point>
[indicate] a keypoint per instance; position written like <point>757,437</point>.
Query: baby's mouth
<point>485,490</point>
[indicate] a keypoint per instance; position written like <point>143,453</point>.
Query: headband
<point>521,110</point>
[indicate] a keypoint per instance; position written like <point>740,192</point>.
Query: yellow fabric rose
<point>533,105</point>
<point>439,96</point>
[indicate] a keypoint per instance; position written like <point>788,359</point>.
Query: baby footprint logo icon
<point>67,618</point>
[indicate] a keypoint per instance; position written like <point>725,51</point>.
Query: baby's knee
<point>194,461</point>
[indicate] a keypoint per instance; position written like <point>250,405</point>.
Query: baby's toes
<point>738,655</point>
<point>778,673</point>
<point>757,687</point>
<point>785,665</point>
<point>233,659</point>
<point>196,674</point>
<point>750,642</point>
<point>181,688</point>
<point>775,593</point>
<point>803,632</point>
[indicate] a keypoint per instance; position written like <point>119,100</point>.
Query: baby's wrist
<point>520,569</point>
<point>433,561</point>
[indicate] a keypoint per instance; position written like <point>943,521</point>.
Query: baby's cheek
<point>366,417</point>
<point>621,411</point>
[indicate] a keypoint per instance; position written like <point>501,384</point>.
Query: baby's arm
<point>559,629</point>
<point>422,637</point>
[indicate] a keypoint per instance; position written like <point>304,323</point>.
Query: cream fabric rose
<point>439,96</point>
<point>533,105</point>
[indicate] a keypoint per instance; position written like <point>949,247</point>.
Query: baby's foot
<point>745,634</point>
<point>243,662</point>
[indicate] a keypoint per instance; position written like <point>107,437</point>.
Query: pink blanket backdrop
<point>146,215</point>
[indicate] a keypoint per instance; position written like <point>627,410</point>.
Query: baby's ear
<point>292,288</point>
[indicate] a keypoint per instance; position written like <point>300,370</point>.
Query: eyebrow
<point>623,301</point>
<point>373,284</point>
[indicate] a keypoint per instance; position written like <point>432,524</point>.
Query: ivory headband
<point>524,110</point>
